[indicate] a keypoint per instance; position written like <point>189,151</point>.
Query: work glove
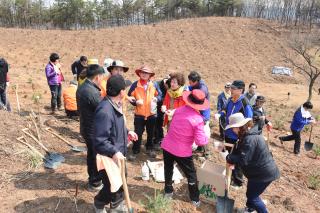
<point>224,154</point>
<point>217,116</point>
<point>131,99</point>
<point>163,108</point>
<point>269,126</point>
<point>139,102</point>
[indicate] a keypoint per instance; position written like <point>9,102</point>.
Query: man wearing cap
<point>78,66</point>
<point>221,104</point>
<point>110,139</point>
<point>259,115</point>
<point>236,103</point>
<point>186,128</point>
<point>144,95</point>
<point>88,98</point>
<point>54,78</point>
<point>70,100</point>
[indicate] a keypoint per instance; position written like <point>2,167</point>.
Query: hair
<point>308,105</point>
<point>93,69</point>
<point>54,57</point>
<point>194,76</point>
<point>252,84</point>
<point>179,76</point>
<point>83,58</point>
<point>243,130</point>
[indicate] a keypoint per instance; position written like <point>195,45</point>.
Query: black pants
<point>4,102</point>
<point>94,177</point>
<point>237,175</point>
<point>72,113</point>
<point>187,166</point>
<point>296,136</point>
<point>105,196</point>
<point>222,123</point>
<point>55,96</point>
<point>158,130</point>
<point>139,124</point>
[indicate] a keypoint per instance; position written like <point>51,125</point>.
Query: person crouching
<point>70,100</point>
<point>177,144</point>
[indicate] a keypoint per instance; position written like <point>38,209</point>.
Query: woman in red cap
<point>177,145</point>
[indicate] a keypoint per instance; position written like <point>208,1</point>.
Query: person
<point>301,118</point>
<point>254,159</point>
<point>69,99</point>
<point>88,98</point>
<point>54,78</point>
<point>259,114</point>
<point>4,83</point>
<point>158,130</point>
<point>110,139</point>
<point>173,98</point>
<point>78,66</point>
<point>195,82</point>
<point>251,94</point>
<point>177,144</point>
<point>236,103</point>
<point>107,63</point>
<point>221,104</point>
<point>83,75</point>
<point>145,97</point>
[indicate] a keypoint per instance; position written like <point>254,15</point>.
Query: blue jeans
<point>254,190</point>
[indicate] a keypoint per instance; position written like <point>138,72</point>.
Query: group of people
<point>97,94</point>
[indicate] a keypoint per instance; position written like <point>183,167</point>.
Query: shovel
<point>50,156</point>
<point>73,147</point>
<point>225,204</point>
<point>47,162</point>
<point>125,186</point>
<point>308,145</point>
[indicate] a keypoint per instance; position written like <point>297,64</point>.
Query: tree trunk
<point>311,83</point>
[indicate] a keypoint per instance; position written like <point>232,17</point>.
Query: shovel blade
<point>224,205</point>
<point>308,146</point>
<point>78,149</point>
<point>55,157</point>
<point>49,164</point>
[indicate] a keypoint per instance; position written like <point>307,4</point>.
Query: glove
<point>139,102</point>
<point>217,116</point>
<point>131,99</point>
<point>224,154</point>
<point>170,113</point>
<point>269,126</point>
<point>163,108</point>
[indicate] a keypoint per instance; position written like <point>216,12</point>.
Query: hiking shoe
<point>119,209</point>
<point>132,157</point>
<point>235,186</point>
<point>96,210</point>
<point>196,203</point>
<point>93,188</point>
<point>151,153</point>
<point>168,195</point>
<point>246,210</point>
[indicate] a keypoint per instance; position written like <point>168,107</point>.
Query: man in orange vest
<point>69,99</point>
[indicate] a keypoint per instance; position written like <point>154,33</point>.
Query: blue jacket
<point>205,113</point>
<point>241,105</point>
<point>110,132</point>
<point>298,122</point>
<point>222,102</point>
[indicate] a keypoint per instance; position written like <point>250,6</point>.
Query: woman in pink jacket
<point>186,127</point>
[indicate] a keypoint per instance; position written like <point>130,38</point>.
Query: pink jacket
<point>186,127</point>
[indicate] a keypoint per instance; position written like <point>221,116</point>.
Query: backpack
<point>3,74</point>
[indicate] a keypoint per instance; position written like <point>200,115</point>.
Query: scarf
<point>176,93</point>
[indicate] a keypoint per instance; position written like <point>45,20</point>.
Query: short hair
<point>94,70</point>
<point>54,57</point>
<point>83,58</point>
<point>179,76</point>
<point>252,84</point>
<point>194,76</point>
<point>308,105</point>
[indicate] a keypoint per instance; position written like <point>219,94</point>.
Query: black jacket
<point>257,112</point>
<point>254,158</point>
<point>88,98</point>
<point>110,132</point>
<point>77,68</point>
<point>3,74</point>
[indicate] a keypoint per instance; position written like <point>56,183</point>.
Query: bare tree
<point>305,57</point>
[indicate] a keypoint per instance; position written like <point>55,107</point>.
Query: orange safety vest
<point>69,98</point>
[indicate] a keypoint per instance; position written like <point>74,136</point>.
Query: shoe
<point>246,210</point>
<point>196,203</point>
<point>235,186</point>
<point>96,210</point>
<point>281,141</point>
<point>168,195</point>
<point>93,188</point>
<point>132,157</point>
<point>151,153</point>
<point>119,209</point>
<point>297,154</point>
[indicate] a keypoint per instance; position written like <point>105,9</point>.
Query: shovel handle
<point>58,136</point>
<point>35,139</point>
<point>125,186</point>
<point>30,147</point>
<point>310,133</point>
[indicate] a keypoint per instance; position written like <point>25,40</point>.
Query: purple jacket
<point>52,77</point>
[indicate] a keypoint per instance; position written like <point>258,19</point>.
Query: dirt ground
<point>222,49</point>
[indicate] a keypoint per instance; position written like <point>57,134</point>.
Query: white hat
<point>237,120</point>
<point>107,62</point>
